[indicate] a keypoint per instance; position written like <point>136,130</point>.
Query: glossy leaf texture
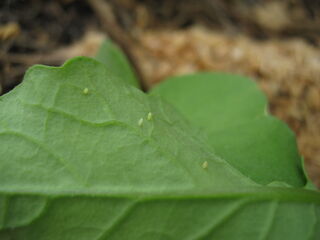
<point>233,113</point>
<point>77,162</point>
<point>112,56</point>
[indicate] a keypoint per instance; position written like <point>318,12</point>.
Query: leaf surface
<point>112,56</point>
<point>265,213</point>
<point>233,112</point>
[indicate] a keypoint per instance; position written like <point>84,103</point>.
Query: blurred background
<point>276,42</point>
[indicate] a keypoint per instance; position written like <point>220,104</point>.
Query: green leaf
<point>76,164</point>
<point>112,56</point>
<point>266,214</point>
<point>53,131</point>
<point>232,111</point>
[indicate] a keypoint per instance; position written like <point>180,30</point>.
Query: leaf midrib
<point>255,193</point>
